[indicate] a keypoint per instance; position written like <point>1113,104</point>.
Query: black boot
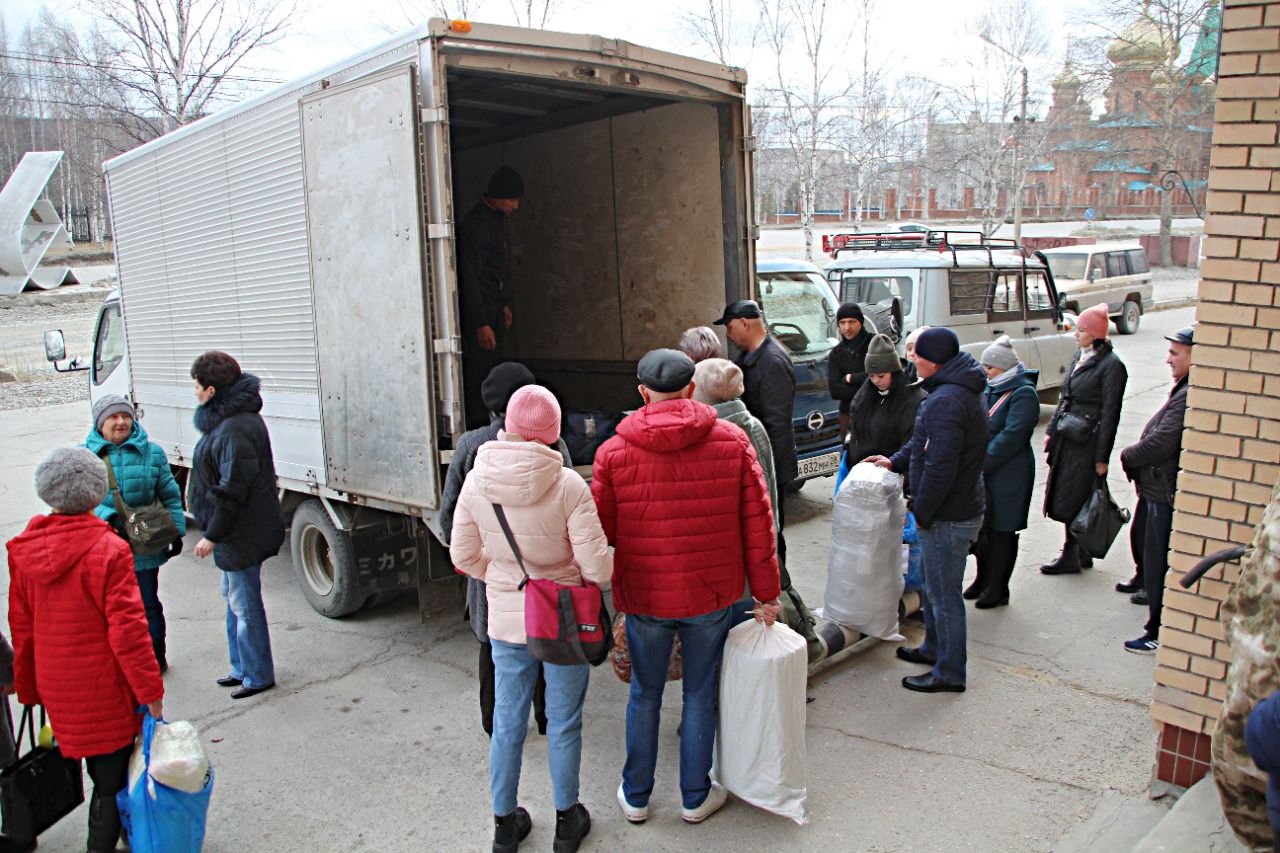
<point>975,589</point>
<point>572,825</point>
<point>1068,562</point>
<point>104,823</point>
<point>9,844</point>
<point>1132,585</point>
<point>510,830</point>
<point>996,594</point>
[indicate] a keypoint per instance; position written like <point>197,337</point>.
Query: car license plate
<point>819,466</point>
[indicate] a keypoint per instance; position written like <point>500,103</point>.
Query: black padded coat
<point>1095,391</point>
<point>233,480</point>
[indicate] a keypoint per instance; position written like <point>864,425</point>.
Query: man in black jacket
<point>769,380</point>
<point>846,371</point>
<point>943,462</point>
<point>484,285</point>
<point>1153,464</point>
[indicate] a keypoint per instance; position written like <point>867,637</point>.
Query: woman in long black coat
<point>1013,410</point>
<point>1094,391</point>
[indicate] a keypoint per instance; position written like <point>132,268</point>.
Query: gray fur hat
<point>71,480</point>
<point>108,405</point>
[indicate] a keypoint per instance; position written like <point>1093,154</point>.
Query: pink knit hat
<point>1095,320</point>
<point>534,415</point>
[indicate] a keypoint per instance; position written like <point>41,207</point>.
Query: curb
<point>1170,304</point>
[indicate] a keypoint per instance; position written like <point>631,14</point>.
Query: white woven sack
<point>760,751</point>
<point>864,565</point>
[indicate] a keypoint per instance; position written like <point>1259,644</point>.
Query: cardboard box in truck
<point>310,233</point>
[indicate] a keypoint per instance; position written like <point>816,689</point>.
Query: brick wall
<point>1231,447</point>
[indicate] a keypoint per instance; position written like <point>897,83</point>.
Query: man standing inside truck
<point>484,285</point>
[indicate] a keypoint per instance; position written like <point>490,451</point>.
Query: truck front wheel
<point>325,563</point>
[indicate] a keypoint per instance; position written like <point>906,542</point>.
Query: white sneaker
<point>715,800</point>
<point>635,814</point>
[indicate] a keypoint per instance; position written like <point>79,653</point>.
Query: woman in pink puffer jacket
<point>554,522</point>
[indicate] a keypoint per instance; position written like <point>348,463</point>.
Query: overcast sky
<point>920,37</point>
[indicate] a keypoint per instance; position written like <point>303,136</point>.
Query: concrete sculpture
<point>30,227</point>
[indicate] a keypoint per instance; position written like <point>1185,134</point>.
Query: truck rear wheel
<point>325,563</point>
<point>1129,318</point>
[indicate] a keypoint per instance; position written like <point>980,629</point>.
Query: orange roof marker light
<point>458,25</point>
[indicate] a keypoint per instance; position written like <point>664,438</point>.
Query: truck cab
<point>800,312</point>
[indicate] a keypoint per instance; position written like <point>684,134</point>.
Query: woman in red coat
<point>80,640</point>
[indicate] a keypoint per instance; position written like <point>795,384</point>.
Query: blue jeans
<point>248,643</point>
<point>149,586</point>
<point>650,641</point>
<point>515,672</point>
<point>944,548</point>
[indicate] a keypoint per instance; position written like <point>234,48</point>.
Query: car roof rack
<point>952,241</point>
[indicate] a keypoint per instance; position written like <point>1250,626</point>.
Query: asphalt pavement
<point>371,741</point>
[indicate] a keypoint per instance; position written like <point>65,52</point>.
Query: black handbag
<point>1075,427</point>
<point>41,787</point>
<point>151,528</point>
<point>1098,522</point>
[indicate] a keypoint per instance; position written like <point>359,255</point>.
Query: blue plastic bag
<point>843,470</point>
<point>911,538</point>
<point>160,819</point>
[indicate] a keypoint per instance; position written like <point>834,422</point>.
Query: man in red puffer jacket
<point>80,640</point>
<point>682,499</point>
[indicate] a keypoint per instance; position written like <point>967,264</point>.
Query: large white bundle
<point>178,758</point>
<point>864,567</point>
<point>760,752</point>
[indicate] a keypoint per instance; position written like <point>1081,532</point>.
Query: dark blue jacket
<point>943,459</point>
<point>1010,468</point>
<point>142,471</point>
<point>233,479</point>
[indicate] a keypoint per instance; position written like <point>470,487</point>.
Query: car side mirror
<point>55,345</point>
<point>1093,274</point>
<point>1062,302</point>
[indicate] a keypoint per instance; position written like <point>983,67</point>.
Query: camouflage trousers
<point>1251,625</point>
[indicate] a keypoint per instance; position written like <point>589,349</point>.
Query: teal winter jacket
<point>142,470</point>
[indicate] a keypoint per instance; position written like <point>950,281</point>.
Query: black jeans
<point>110,773</point>
<point>487,693</point>
<point>1152,526</point>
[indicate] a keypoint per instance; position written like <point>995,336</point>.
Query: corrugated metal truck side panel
<point>212,249</point>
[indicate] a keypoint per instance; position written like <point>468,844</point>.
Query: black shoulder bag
<point>151,529</point>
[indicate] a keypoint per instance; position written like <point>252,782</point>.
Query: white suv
<point>977,286</point>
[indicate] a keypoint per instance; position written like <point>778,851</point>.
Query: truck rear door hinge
<point>753,232</point>
<point>748,143</point>
<point>436,231</point>
<point>433,115</point>
<point>445,345</point>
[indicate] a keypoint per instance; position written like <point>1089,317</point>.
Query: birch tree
<point>805,88</point>
<point>168,62</point>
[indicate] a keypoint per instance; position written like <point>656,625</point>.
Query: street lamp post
<point>1021,119</point>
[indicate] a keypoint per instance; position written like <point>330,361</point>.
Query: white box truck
<point>310,231</point>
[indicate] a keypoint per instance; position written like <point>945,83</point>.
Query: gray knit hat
<point>882,356</point>
<point>71,480</point>
<point>1000,354</point>
<point>108,405</point>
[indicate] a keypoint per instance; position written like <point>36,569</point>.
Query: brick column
<point>1231,447</point>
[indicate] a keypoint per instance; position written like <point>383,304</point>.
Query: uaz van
<point>979,287</point>
<point>1113,273</point>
